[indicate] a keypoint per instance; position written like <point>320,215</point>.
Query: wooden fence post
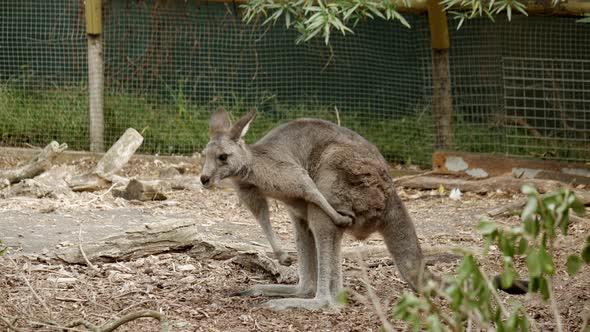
<point>95,74</point>
<point>442,101</point>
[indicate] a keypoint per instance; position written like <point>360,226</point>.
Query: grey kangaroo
<point>259,173</point>
<point>316,168</point>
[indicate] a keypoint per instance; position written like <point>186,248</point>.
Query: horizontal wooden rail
<point>538,7</point>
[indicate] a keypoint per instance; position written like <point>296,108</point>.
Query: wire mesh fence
<point>169,64</point>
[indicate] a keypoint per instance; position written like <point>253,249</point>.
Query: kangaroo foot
<point>285,259</point>
<point>308,304</point>
<point>275,290</point>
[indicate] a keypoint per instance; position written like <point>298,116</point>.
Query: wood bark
<point>442,101</point>
<point>37,165</point>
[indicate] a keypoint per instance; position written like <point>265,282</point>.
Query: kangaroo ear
<point>219,123</point>
<point>241,127</point>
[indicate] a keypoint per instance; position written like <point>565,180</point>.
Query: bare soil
<point>193,294</point>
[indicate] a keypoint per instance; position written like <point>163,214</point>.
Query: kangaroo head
<point>226,154</point>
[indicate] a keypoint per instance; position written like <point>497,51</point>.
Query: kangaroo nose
<point>205,179</point>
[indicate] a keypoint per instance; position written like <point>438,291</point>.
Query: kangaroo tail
<point>402,242</point>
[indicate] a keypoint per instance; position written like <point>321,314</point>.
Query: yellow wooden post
<point>439,30</point>
<point>94,17</point>
<point>442,99</point>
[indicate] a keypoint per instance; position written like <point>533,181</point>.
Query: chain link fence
<point>519,88</point>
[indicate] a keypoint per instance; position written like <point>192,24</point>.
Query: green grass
<point>37,117</point>
<point>179,127</point>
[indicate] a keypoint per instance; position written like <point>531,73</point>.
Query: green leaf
<point>531,227</point>
<point>520,7</point>
<point>574,263</point>
<point>544,288</point>
<point>461,21</point>
<point>509,13</point>
<point>376,12</point>
<point>506,245</point>
<point>546,261</point>
<point>486,227</point>
<point>534,263</point>
<point>523,245</point>
<point>402,20</point>
<point>434,324</point>
<point>529,209</point>
<point>508,276</point>
<point>584,20</point>
<point>527,189</point>
<point>578,207</point>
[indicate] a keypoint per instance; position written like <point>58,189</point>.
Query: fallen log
<point>103,174</point>
<point>150,239</point>
<point>51,183</point>
<point>174,236</point>
<point>37,165</point>
<point>504,183</point>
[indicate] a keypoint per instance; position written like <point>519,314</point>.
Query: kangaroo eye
<point>222,157</point>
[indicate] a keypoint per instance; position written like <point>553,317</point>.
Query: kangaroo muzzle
<point>205,180</point>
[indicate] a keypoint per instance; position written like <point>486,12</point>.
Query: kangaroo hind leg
<point>328,238</point>
<point>306,251</point>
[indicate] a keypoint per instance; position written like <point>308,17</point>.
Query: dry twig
<point>123,320</point>
<point>90,265</point>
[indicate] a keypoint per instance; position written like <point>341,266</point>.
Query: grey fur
<point>316,168</point>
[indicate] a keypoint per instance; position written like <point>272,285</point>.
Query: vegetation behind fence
<point>519,88</point>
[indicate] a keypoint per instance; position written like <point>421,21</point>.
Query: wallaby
<point>316,167</point>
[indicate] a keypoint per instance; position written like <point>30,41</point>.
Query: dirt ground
<point>193,294</point>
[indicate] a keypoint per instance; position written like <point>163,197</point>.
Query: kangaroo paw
<point>346,218</point>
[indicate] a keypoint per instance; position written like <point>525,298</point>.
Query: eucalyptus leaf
<point>574,263</point>
<point>487,227</point>
<point>534,263</point>
<point>528,190</point>
<point>508,276</point>
<point>529,209</point>
<point>546,261</point>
